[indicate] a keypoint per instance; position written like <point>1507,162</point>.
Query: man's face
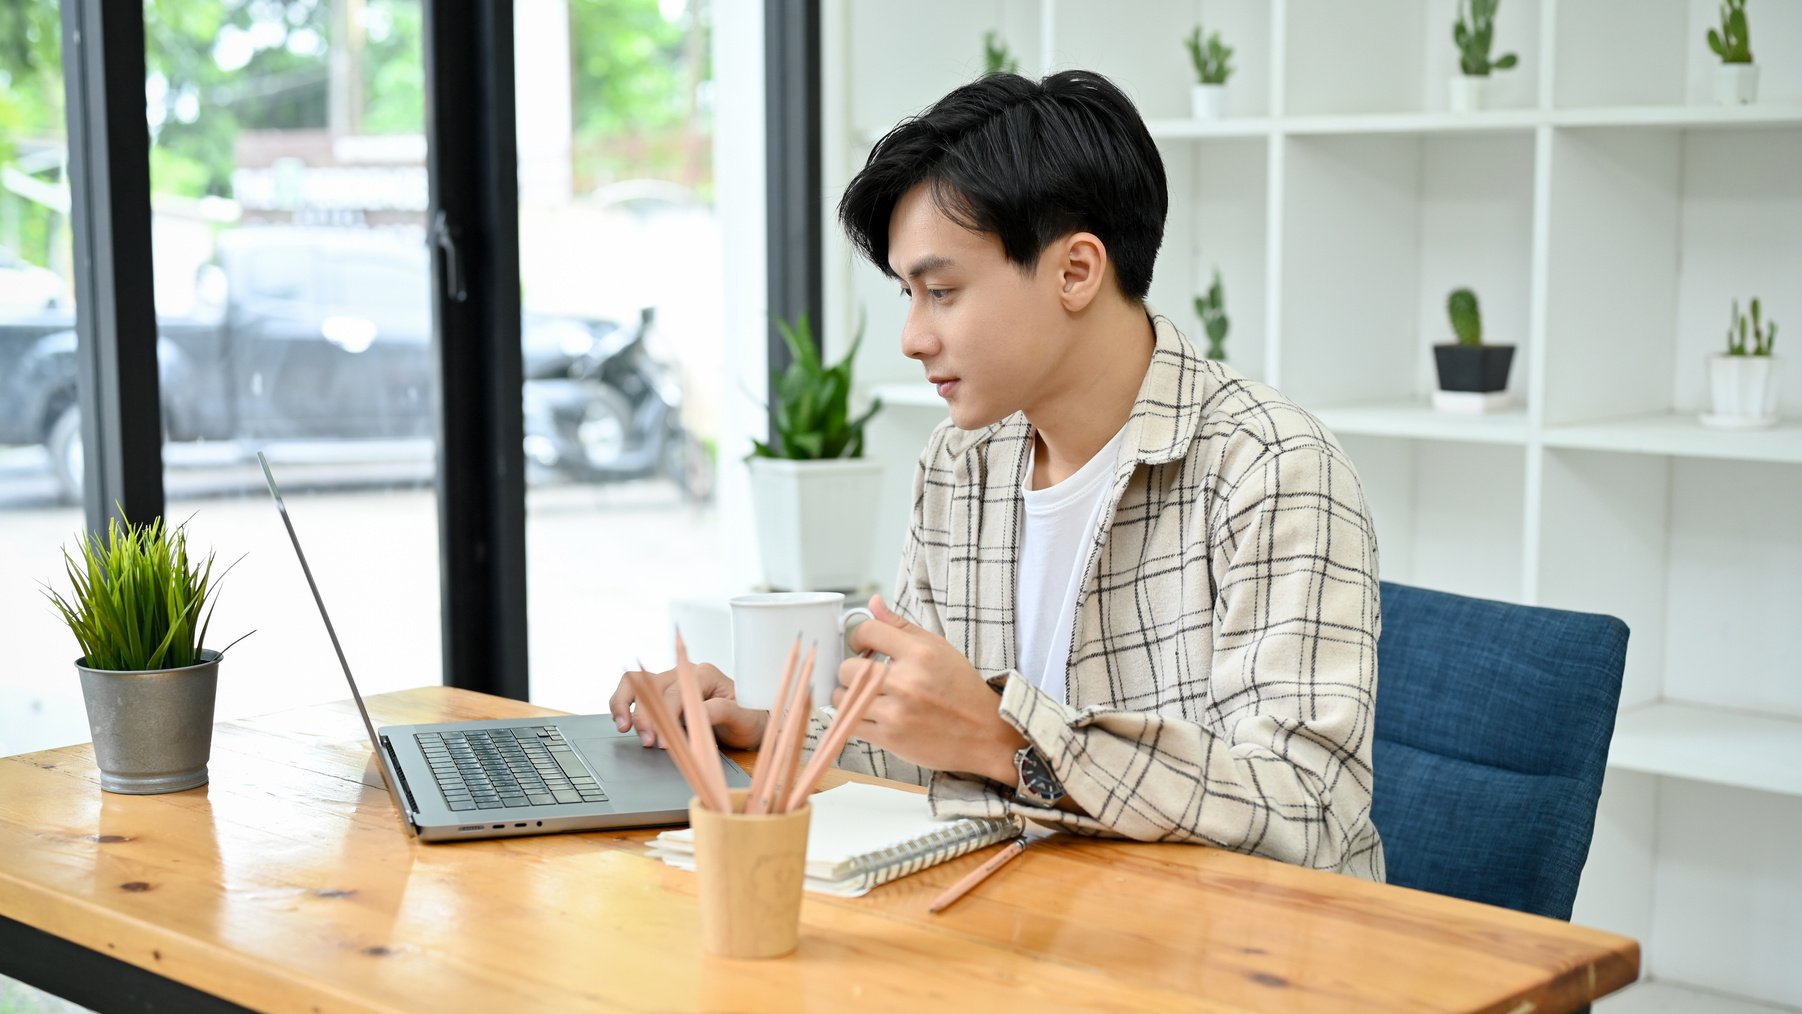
<point>989,336</point>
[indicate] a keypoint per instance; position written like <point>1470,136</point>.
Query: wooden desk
<point>288,884</point>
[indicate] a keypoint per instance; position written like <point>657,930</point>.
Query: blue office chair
<point>1492,729</point>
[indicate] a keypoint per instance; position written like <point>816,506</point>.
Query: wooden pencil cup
<point>751,870</point>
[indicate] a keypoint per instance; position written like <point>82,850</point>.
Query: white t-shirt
<point>1061,522</point>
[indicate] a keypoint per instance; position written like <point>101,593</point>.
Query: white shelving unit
<point>1605,213</point>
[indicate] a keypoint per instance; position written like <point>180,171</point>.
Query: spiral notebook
<point>862,835</point>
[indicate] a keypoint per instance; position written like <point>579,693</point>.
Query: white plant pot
<point>814,522</point>
<point>1742,392</point>
<point>1466,94</point>
<point>1207,102</point>
<point>1736,84</point>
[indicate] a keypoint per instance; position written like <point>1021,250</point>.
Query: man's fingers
<point>881,611</point>
<point>892,641</point>
<point>620,704</point>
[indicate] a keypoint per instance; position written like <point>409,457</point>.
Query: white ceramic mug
<point>764,628</point>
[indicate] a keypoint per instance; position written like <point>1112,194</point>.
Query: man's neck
<point>1095,391</point>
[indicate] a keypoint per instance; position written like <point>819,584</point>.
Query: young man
<point>1139,595</point>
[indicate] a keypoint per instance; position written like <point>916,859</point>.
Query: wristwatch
<point>1038,785</point>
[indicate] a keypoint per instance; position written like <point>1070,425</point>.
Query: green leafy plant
<point>812,419</point>
<point>1467,319</point>
<point>1475,37</point>
<point>1732,42</point>
<point>1213,59</point>
<point>995,57</point>
<point>1211,308</point>
<point>138,604</point>
<point>1756,341</point>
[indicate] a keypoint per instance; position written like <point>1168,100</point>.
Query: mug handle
<point>845,624</point>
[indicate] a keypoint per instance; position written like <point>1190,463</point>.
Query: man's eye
<point>905,293</point>
<point>938,293</point>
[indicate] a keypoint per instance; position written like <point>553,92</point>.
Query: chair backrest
<point>1492,730</point>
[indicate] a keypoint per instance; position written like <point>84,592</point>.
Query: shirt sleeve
<point>1281,766</point>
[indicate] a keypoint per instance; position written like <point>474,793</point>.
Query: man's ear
<point>1081,269</point>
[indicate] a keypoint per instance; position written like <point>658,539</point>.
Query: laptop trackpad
<point>635,777</point>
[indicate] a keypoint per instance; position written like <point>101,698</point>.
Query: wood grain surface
<point>289,884</point>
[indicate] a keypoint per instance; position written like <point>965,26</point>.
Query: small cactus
<point>1467,319</point>
<point>1753,338</point>
<point>995,57</point>
<point>1213,59</point>
<point>1476,36</point>
<point>1211,308</point>
<point>1731,42</point>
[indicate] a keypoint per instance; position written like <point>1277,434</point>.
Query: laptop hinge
<point>394,765</point>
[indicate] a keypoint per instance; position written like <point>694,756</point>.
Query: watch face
<point>1037,783</point>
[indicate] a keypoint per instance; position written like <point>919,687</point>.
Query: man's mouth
<point>945,385</point>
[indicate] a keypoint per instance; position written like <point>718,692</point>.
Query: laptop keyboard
<point>486,769</point>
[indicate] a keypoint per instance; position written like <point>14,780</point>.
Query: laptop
<point>457,780</point>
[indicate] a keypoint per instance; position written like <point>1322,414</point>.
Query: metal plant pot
<point>153,731</point>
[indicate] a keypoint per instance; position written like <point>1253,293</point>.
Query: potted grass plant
<point>811,492</point>
<point>1736,79</point>
<point>995,56</point>
<point>1742,381</point>
<point>1211,308</point>
<point>1475,36</point>
<point>139,607</point>
<point>1213,61</point>
<point>1473,376</point>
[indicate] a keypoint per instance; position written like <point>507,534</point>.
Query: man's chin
<point>971,417</point>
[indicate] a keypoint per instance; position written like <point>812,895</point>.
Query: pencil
<point>833,740</point>
<point>793,714</point>
<point>977,876</point>
<point>756,801</point>
<point>674,741</point>
<point>700,729</point>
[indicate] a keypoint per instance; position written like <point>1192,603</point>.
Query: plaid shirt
<point>1223,664</point>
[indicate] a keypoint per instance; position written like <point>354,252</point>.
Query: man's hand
<point>934,708</point>
<point>734,727</point>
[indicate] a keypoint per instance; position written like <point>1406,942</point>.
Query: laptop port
<point>500,827</point>
<point>520,824</point>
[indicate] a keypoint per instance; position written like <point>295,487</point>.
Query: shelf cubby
<point>1655,52</point>
<point>1395,56</point>
<point>1377,231</point>
<point>1448,515</point>
<point>1217,221</point>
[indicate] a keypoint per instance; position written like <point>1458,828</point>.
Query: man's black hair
<point>1029,162</point>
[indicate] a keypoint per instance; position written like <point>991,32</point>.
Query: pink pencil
<point>786,741</point>
<point>868,686</point>
<point>755,800</point>
<point>700,730</point>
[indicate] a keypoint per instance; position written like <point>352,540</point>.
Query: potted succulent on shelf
<point>995,57</point>
<point>1736,79</point>
<point>811,493</point>
<point>1213,62</point>
<point>140,611</point>
<point>1474,38</point>
<point>1742,382</point>
<point>1473,377</point>
<point>1211,308</point>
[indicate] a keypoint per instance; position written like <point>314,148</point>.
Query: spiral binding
<point>916,854</point>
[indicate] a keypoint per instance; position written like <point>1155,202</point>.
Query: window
<point>287,165</point>
<point>40,700</point>
<point>619,233</point>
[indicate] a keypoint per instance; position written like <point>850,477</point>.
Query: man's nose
<point>917,341</point>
